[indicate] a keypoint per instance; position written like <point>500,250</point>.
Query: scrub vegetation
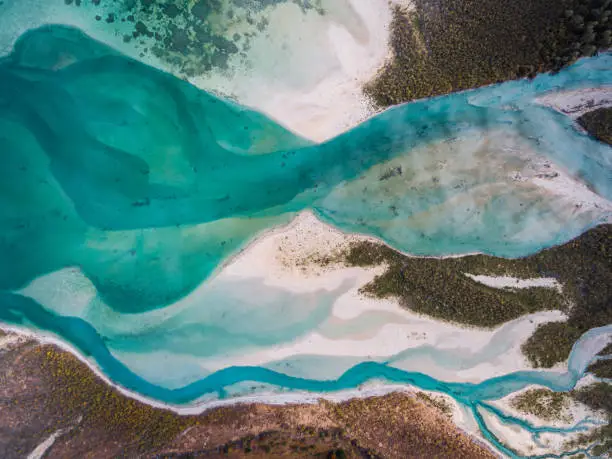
<point>450,45</point>
<point>439,288</point>
<point>601,369</point>
<point>190,36</point>
<point>598,397</point>
<point>307,442</point>
<point>437,402</point>
<point>552,406</point>
<point>598,123</point>
<point>606,350</point>
<point>78,392</point>
<point>543,403</point>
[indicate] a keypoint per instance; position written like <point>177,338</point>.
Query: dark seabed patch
<point>191,37</point>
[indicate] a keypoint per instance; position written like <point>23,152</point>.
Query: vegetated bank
<point>451,45</point>
<point>440,288</point>
<point>555,406</point>
<point>189,36</point>
<point>597,396</point>
<point>45,389</point>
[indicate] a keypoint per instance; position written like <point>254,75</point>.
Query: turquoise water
<point>26,312</point>
<point>147,185</point>
<point>96,143</point>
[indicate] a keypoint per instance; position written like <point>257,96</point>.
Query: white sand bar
<point>515,282</point>
<point>275,305</point>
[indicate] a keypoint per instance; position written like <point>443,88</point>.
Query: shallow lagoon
<point>148,185</point>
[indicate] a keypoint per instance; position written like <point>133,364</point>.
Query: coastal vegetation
<point>598,123</point>
<point>439,288</point>
<point>451,45</point>
<point>46,389</point>
<point>601,368</point>
<point>606,350</point>
<point>553,406</point>
<point>440,403</point>
<point>598,397</point>
<point>543,403</point>
<point>78,392</point>
<point>386,417</point>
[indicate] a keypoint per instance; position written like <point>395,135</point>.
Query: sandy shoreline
<point>576,103</point>
<point>306,70</point>
<point>339,98</point>
<point>302,240</point>
<point>319,95</point>
<point>309,214</point>
<point>200,407</point>
<point>282,258</point>
<point>316,236</point>
<point>371,389</point>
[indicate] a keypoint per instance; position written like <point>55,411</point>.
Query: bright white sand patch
<point>515,282</point>
<point>559,182</point>
<point>281,288</point>
<point>577,103</point>
<point>305,69</point>
<point>513,436</point>
<point>359,326</point>
<point>283,285</point>
<point>308,71</point>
